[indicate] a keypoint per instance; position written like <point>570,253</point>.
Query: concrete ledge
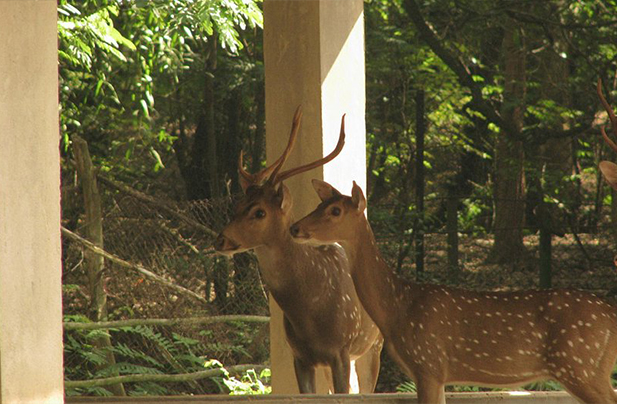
<point>462,398</point>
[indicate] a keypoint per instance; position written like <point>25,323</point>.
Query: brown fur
<point>325,323</point>
<point>441,335</point>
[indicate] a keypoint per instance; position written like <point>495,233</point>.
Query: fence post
<point>452,230</point>
<point>95,264</point>
<point>544,215</point>
<point>419,224</point>
<point>545,257</point>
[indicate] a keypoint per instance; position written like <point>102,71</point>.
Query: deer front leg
<point>430,391</point>
<point>305,376</point>
<point>367,367</point>
<point>340,373</point>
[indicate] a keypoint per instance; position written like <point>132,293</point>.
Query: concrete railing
<point>452,398</point>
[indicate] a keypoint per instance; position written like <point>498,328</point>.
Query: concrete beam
<point>30,253</point>
<point>314,57</point>
<point>554,397</point>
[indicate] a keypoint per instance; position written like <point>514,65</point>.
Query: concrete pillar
<point>314,56</point>
<point>30,253</point>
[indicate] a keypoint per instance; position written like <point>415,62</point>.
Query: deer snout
<point>294,230</point>
<point>219,243</point>
<point>300,235</point>
<point>227,246</point>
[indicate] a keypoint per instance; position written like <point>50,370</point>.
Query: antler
<point>272,172</point>
<point>317,163</point>
<point>274,168</point>
<point>611,116</point>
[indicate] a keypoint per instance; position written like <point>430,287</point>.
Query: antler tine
<point>611,116</point>
<point>290,144</point>
<point>337,150</point>
<point>250,178</point>
<point>258,177</point>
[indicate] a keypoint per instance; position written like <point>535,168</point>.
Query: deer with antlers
<point>324,321</point>
<point>440,335</point>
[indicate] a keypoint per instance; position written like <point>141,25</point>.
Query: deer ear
<point>324,190</point>
<point>244,184</point>
<point>609,171</point>
<point>357,197</point>
<point>285,196</point>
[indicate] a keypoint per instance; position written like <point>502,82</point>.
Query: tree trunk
<point>231,142</point>
<point>202,179</point>
<point>259,141</point>
<point>554,160</point>
<point>94,263</point>
<point>509,184</point>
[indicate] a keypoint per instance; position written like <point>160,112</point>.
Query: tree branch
<point>68,325</point>
<point>535,19</point>
<point>158,204</point>
<point>158,378</point>
<point>462,72</point>
<point>137,268</point>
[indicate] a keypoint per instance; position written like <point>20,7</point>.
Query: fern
<point>90,391</point>
<point>126,368</point>
<point>184,341</point>
<point>406,387</point>
<point>149,389</point>
<point>191,361</point>
<point>142,350</point>
<point>127,352</point>
<point>147,333</point>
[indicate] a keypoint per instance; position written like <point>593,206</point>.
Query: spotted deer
<point>324,321</point>
<point>440,335</point>
<point>608,168</point>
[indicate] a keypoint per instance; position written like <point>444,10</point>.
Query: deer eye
<point>336,211</point>
<point>260,214</point>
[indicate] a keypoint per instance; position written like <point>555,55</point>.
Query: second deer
<point>608,168</point>
<point>440,335</point>
<point>325,323</point>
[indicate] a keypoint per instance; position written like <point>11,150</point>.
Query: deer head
<point>334,219</point>
<point>264,214</point>
<point>608,169</point>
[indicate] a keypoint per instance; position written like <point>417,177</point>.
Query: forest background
<point>167,92</point>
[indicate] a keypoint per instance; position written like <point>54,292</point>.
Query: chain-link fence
<point>173,242</point>
<point>154,244</point>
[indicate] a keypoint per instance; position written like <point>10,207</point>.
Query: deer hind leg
<point>587,385</point>
<point>367,367</point>
<point>592,393</point>
<point>430,391</point>
<point>305,376</point>
<point>341,369</point>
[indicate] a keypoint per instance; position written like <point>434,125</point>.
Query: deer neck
<point>378,287</point>
<point>282,263</point>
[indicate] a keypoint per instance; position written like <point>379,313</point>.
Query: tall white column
<point>30,253</point>
<point>314,56</point>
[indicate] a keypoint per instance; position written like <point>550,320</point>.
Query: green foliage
<point>547,385</point>
<point>249,383</point>
<point>407,387</point>
<point>202,19</point>
<point>138,350</point>
<point>122,64</point>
